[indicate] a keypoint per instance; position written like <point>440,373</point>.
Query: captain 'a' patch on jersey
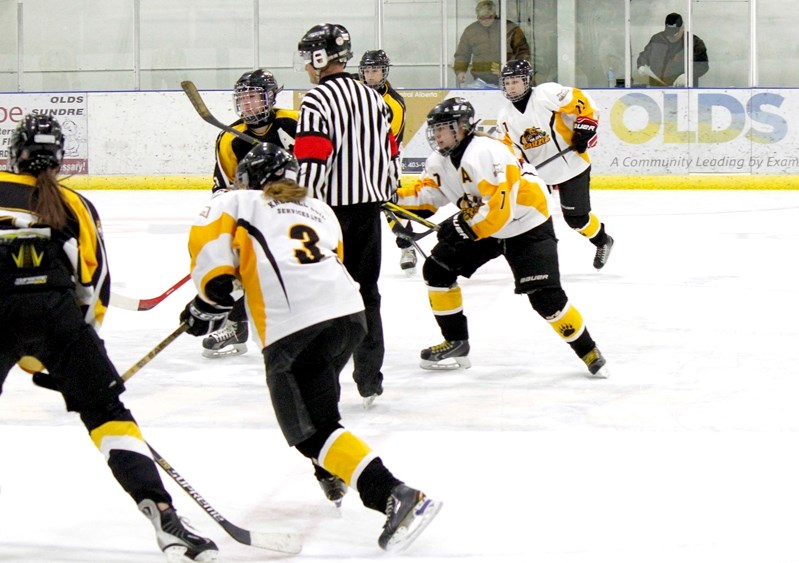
<point>533,137</point>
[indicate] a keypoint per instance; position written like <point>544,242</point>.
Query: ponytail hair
<point>47,201</point>
<point>285,190</point>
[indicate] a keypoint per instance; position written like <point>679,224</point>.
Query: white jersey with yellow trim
<point>546,127</point>
<point>502,199</point>
<point>287,257</point>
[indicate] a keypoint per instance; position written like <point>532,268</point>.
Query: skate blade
<point>177,554</point>
<point>603,373</point>
<point>231,350</point>
<point>424,513</point>
<point>409,272</point>
<point>369,401</point>
<point>456,363</point>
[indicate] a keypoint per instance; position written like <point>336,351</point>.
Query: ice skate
<point>368,391</point>
<point>230,340</point>
<point>408,513</point>
<point>334,489</point>
<point>596,364</point>
<point>179,544</point>
<point>603,253</point>
<point>447,355</point>
<point>408,261</point>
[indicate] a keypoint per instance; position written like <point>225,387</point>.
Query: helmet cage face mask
<point>377,60</point>
<point>382,68</point>
<point>254,96</point>
<point>516,69</point>
<point>458,112</point>
<point>453,125</point>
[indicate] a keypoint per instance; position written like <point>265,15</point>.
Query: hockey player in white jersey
<point>538,123</point>
<point>504,211</point>
<point>284,249</point>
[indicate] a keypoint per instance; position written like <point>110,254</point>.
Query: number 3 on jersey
<point>309,253</point>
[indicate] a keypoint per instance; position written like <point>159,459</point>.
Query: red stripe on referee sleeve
<point>393,143</point>
<point>312,147</point>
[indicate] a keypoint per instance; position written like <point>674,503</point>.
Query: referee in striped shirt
<point>348,158</point>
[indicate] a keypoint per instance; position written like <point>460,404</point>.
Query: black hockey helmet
<point>36,145</point>
<point>325,43</point>
<point>516,69</point>
<point>374,59</point>
<point>458,112</point>
<point>259,81</point>
<point>265,163</point>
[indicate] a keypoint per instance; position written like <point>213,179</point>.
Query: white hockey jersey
<point>500,198</point>
<point>546,128</point>
<point>287,257</point>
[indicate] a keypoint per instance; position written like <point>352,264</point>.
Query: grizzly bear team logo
<point>533,138</point>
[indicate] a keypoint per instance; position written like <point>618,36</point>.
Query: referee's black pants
<point>360,225</point>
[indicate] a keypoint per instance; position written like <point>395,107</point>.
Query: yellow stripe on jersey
<point>568,323</point>
<point>200,235</point>
<point>92,259</point>
<point>248,274</point>
<point>340,250</point>
<point>592,228</point>
<point>531,195</point>
<point>346,456</point>
<point>445,300</point>
<point>410,195</point>
<point>227,158</point>
<point>119,435</point>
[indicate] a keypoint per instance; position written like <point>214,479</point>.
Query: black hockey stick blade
<point>273,541</point>
<point>199,105</point>
<point>568,149</point>
<point>401,231</point>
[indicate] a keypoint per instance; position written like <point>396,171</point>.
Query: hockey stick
<point>132,304</point>
<point>155,351</point>
<point>396,210</point>
<point>273,541</point>
<point>567,150</point>
<point>199,105</point>
<point>47,381</point>
<point>401,231</point>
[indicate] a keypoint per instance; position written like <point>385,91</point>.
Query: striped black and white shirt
<point>344,145</point>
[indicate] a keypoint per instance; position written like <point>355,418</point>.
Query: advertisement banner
<point>657,131</point>
<point>70,109</point>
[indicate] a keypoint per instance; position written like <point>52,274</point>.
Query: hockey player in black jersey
<point>54,292</point>
<point>373,71</point>
<point>254,97</point>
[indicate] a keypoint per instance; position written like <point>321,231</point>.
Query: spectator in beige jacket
<point>479,47</point>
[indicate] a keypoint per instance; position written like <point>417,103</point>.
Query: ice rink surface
<point>686,454</point>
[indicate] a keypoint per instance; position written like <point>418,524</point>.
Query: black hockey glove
<point>203,317</point>
<point>455,230</point>
<point>584,136</point>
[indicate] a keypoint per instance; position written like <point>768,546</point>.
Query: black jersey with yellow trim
<point>80,240</point>
<point>396,103</point>
<point>280,130</point>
